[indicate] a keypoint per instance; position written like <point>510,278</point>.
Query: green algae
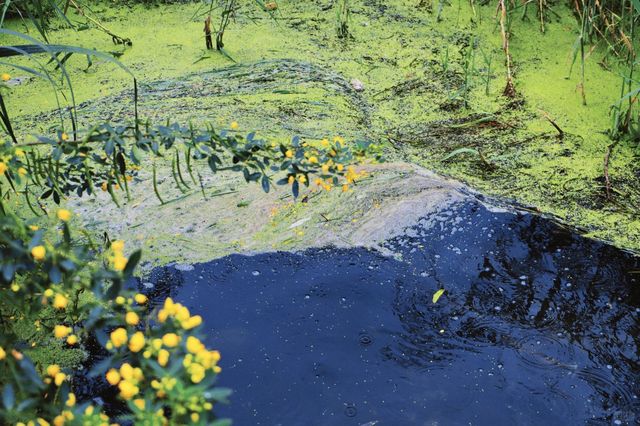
<point>293,76</point>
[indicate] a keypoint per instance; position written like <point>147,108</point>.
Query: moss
<point>293,76</point>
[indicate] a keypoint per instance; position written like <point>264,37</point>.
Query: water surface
<point>537,326</point>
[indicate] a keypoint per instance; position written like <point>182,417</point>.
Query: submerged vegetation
<point>467,103</point>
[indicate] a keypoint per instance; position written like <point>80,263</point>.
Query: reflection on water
<point>537,326</point>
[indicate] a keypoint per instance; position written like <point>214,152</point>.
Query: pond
<point>537,326</point>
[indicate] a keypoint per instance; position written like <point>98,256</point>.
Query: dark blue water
<point>538,326</point>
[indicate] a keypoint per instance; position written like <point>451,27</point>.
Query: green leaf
<point>132,262</point>
<point>8,397</point>
<point>437,295</point>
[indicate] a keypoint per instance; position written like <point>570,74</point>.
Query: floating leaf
<point>437,295</point>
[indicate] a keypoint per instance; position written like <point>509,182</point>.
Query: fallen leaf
<point>437,295</point>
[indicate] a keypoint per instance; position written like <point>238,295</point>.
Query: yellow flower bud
<point>53,369</point>
<point>117,245</point>
<point>60,302</point>
<point>38,252</point>
<point>64,215</point>
<point>136,343</point>
<point>61,331</point>
<point>59,378</point>
<point>140,299</point>
<point>139,403</point>
<point>118,337</point>
<point>127,389</point>
<point>71,400</point>
<point>113,377</point>
<point>163,357</point>
<point>171,340</point>
<point>132,318</point>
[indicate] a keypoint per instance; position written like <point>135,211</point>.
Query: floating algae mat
<point>536,326</point>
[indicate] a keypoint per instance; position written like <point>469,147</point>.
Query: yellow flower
<point>3,354</point>
<point>192,322</point>
<point>118,337</point>
<point>22,171</point>
<point>117,245</point>
<point>61,331</point>
<point>113,377</point>
<point>325,168</point>
<point>139,403</point>
<point>60,302</point>
<point>163,314</point>
<point>19,152</point>
<point>313,159</point>
<point>72,340</point>
<point>48,293</point>
<point>234,125</point>
<point>59,420</point>
<point>324,143</point>
<point>140,299</point>
<point>132,318</point>
<point>15,287</point>
<point>64,215</point>
<point>302,179</point>
<point>38,252</point>
<point>120,300</point>
<point>291,179</point>
<point>163,357</point>
<point>71,400</point>
<point>136,343</point>
<point>289,154</point>
<point>64,136</point>
<point>53,369</point>
<point>126,371</point>
<point>119,262</point>
<point>194,345</point>
<point>197,373</point>
<point>340,167</point>
<point>345,187</point>
<point>5,76</point>
<point>171,340</point>
<point>195,417</point>
<point>59,378</point>
<point>3,168</point>
<point>34,227</point>
<point>127,389</point>
<point>104,186</point>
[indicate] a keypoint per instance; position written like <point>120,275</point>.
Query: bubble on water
<point>255,273</point>
<point>350,410</point>
<point>365,339</point>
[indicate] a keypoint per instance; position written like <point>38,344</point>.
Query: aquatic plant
<point>343,16</point>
